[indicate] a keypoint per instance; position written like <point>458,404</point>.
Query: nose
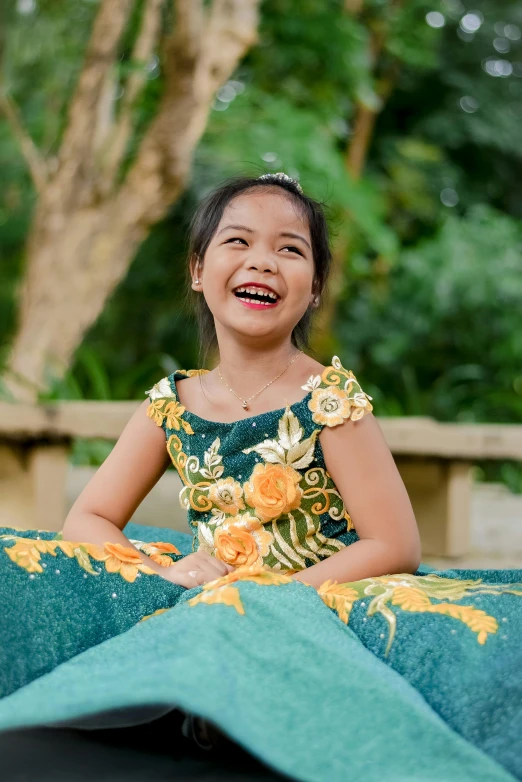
<point>262,262</point>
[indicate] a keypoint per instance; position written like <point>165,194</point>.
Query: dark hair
<point>204,224</point>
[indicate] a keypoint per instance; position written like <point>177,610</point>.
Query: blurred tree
<point>94,204</point>
<point>439,191</point>
<point>291,106</point>
<point>443,338</point>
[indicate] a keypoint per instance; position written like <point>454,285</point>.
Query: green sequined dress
<point>257,491</point>
<point>403,677</point>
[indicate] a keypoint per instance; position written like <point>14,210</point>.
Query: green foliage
<point>431,300</point>
<point>409,40</point>
<point>262,131</point>
<point>441,334</point>
<point>470,116</point>
<point>312,53</point>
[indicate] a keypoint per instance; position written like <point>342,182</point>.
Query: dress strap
<point>165,408</point>
<point>336,396</point>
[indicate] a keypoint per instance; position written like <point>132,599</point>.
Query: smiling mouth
<point>251,294</point>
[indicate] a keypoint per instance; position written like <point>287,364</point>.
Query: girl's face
<point>258,270</point>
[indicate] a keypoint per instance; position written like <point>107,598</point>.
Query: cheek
<point>215,280</point>
<point>299,282</point>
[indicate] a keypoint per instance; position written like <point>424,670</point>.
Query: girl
<point>259,262</point>
<point>300,604</point>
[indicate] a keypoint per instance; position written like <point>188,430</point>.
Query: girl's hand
<point>196,569</point>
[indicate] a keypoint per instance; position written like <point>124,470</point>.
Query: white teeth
<point>262,291</point>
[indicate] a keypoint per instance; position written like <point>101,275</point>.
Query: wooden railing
<point>434,459</point>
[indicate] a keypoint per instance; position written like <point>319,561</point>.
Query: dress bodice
<point>256,490</point>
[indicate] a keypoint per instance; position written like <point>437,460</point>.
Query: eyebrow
<point>251,231</point>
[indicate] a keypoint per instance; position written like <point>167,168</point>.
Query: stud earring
<point>196,282</point>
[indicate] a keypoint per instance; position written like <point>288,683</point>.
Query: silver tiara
<point>282,178</point>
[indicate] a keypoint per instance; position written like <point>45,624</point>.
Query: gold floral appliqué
<point>415,594</point>
<point>336,396</point>
<point>27,554</point>
<point>220,591</point>
<point>164,406</point>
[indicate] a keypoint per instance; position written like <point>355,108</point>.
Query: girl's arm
<point>107,503</point>
<point>362,467</point>
<point>133,467</point>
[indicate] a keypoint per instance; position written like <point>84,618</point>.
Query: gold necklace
<point>244,402</point>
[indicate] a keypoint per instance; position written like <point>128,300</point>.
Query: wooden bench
<point>434,459</point>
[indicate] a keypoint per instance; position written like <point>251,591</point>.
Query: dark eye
<point>294,249</point>
<point>235,239</point>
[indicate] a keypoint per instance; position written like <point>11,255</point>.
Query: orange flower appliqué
<point>273,489</point>
<point>26,553</point>
<point>242,541</point>
<point>158,553</point>
<point>122,560</point>
<point>125,561</point>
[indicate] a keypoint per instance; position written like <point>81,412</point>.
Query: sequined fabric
<point>386,678</point>
<point>403,677</point>
<point>257,491</point>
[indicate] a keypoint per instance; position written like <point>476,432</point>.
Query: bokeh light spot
<point>471,22</point>
<point>435,19</point>
<point>226,93</point>
<point>498,68</point>
<point>449,197</point>
<point>512,32</point>
<point>238,86</point>
<point>26,7</point>
<point>152,63</point>
<point>468,104</point>
<point>502,45</point>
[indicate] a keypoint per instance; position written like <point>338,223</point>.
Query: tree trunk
<point>87,227</point>
<point>355,160</point>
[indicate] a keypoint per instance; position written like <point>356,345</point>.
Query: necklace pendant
<point>244,402</point>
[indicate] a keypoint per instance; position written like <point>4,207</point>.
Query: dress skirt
<point>399,678</point>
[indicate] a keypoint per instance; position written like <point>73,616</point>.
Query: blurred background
<point>404,117</point>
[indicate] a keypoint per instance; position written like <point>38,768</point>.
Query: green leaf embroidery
<point>84,561</point>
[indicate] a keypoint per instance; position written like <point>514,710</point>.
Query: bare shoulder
<point>309,366</point>
<point>135,464</point>
<point>188,390</point>
<point>313,366</point>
